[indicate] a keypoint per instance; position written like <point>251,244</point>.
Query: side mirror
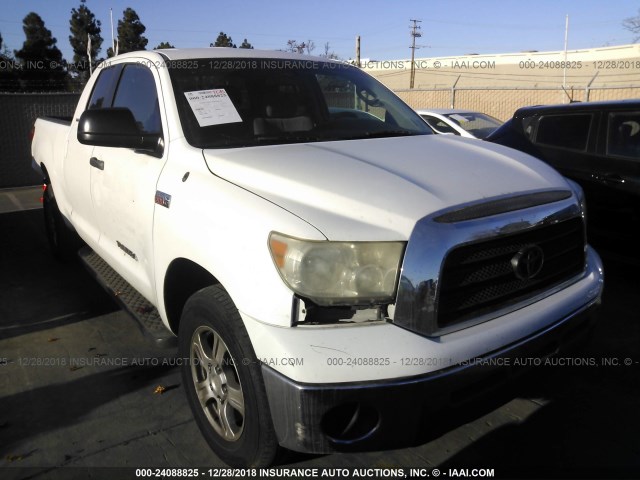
<point>116,127</point>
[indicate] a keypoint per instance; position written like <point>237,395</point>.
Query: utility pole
<point>566,43</point>
<point>358,51</point>
<point>414,34</point>
<point>113,43</point>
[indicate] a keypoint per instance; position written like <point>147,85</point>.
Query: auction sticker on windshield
<point>212,107</point>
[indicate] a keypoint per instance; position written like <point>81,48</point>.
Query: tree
<point>5,53</point>
<point>328,53</point>
<point>83,24</point>
<point>42,62</point>
<point>633,25</point>
<point>164,45</point>
<point>246,44</point>
<point>295,47</point>
<point>223,41</point>
<point>130,30</point>
<point>7,74</point>
<point>310,46</point>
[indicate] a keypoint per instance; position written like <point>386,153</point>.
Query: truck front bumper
<point>381,414</point>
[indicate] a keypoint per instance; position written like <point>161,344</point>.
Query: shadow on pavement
<point>36,291</point>
<point>589,423</point>
<point>65,404</point>
<point>588,429</point>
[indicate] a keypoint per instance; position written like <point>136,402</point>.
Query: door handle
<point>94,162</point>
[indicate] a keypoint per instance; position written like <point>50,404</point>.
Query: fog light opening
<point>350,422</point>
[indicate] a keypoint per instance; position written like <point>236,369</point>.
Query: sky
<point>448,27</point>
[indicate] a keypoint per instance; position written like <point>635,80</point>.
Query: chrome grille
<point>480,277</point>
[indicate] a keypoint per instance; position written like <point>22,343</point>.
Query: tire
<point>231,408</point>
<point>63,241</point>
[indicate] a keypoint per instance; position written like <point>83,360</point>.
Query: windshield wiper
<point>288,139</point>
<point>386,133</point>
<point>277,139</point>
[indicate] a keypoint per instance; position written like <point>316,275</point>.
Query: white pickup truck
<point>333,271</point>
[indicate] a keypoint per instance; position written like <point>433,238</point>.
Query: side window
<point>564,131</point>
<point>528,126</point>
<point>137,92</point>
<point>623,135</point>
<point>342,100</point>
<point>103,89</point>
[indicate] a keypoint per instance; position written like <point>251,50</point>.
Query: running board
<point>127,297</point>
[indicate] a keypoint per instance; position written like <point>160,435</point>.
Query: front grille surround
<point>479,277</point>
<point>431,242</point>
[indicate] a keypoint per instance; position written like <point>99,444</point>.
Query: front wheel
<point>223,382</point>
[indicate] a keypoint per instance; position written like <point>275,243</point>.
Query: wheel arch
<point>182,279</point>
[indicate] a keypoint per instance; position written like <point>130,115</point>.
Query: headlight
<point>338,273</point>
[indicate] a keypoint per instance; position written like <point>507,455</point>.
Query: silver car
<point>460,122</point>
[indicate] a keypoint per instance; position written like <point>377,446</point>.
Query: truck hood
<point>376,189</point>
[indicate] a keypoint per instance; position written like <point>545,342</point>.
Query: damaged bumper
<point>363,416</point>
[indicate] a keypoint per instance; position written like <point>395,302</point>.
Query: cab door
<point>618,166</point>
<point>565,141</point>
<point>615,201</point>
<point>123,184</point>
<point>77,168</point>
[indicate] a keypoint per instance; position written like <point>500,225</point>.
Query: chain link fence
<point>501,102</point>
<point>19,112</point>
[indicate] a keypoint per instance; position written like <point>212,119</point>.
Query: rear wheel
<point>223,381</point>
<point>63,241</point>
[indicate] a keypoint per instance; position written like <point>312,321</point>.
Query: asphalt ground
<point>79,388</point>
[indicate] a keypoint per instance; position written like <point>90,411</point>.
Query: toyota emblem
<point>528,262</point>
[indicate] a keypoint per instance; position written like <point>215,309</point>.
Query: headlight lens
<point>338,273</point>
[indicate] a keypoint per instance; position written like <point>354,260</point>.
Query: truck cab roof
<point>221,52</point>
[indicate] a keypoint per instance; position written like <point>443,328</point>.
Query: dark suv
<point>597,144</point>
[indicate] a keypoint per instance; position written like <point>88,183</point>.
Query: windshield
<point>479,125</point>
<point>245,102</point>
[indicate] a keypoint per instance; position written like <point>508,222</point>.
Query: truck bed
<point>56,119</point>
